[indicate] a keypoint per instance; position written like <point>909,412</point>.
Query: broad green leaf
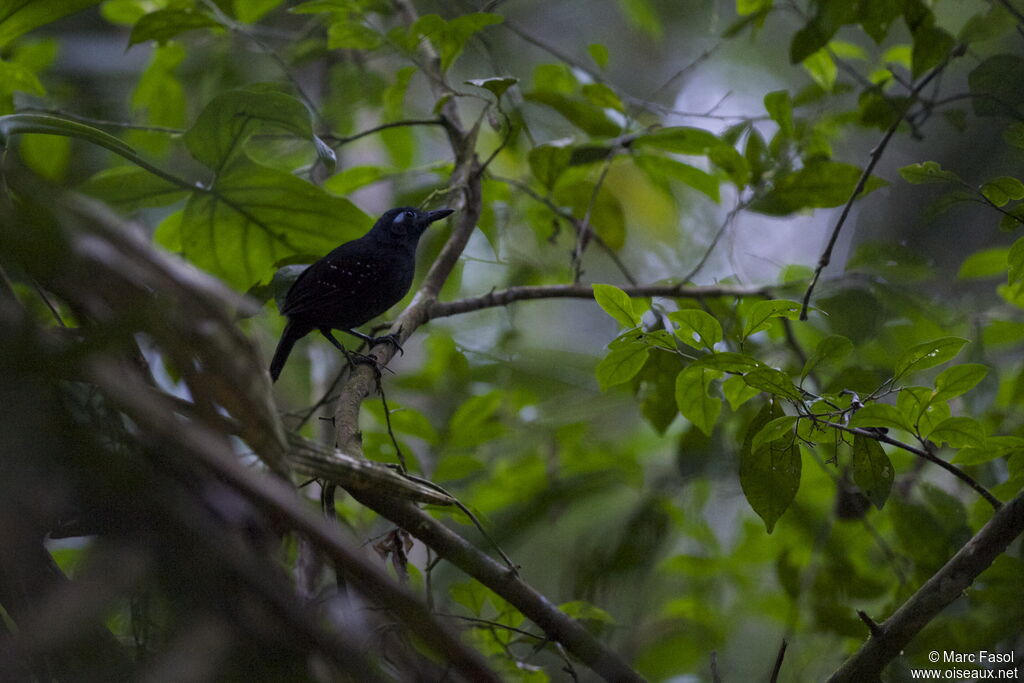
<point>769,475</point>
<point>621,364</point>
<point>599,53</point>
<point>772,381</point>
<point>958,432</point>
<point>497,84</point>
<point>251,11</point>
<point>642,15</point>
<point>737,392</point>
<point>932,46</point>
<point>450,37</point>
<point>680,140</point>
<point>231,118</point>
<point>1015,262</point>
<point>659,167</point>
<point>779,106</point>
<point>763,312</point>
<point>255,216</point>
<point>617,304</point>
<point>47,155</point>
<point>919,407</point>
<point>549,160</point>
<point>745,7</point>
<point>928,172</point>
<point>998,84</point>
<point>880,415</point>
<point>697,328</point>
<point>927,355</point>
<point>130,188</point>
<point>984,263</point>
<point>159,97</point>
<point>1000,191</point>
<point>164,24</point>
<point>872,470</point>
<point>957,380</point>
<point>692,385</point>
<point>353,178</point>
<point>578,111</point>
<point>22,16</point>
<point>16,77</point>
<point>820,184</point>
<point>347,33</point>
<point>168,234</point>
<point>19,124</point>
<point>994,447</point>
<point>729,361</point>
<point>476,421</point>
<point>775,429</point>
<point>580,609</point>
<point>832,348</point>
<point>822,69</point>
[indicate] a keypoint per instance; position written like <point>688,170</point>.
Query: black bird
<point>355,283</point>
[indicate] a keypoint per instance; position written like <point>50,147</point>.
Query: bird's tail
<point>292,333</point>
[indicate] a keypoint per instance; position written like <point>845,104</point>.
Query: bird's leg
<point>351,357</point>
<point>373,341</point>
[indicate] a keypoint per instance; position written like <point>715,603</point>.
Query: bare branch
<point>504,297</point>
<point>945,586</point>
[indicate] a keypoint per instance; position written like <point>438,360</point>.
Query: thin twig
<point>778,662</point>
<point>339,140</point>
<point>583,234</point>
<point>921,453</point>
<point>729,218</point>
<point>504,297</point>
<point>875,156</point>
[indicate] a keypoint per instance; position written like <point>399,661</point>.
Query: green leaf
<point>872,470</point>
<point>779,106</point>
<point>984,263</point>
<point>820,184</point>
<point>164,24</point>
<point>769,475</point>
<point>680,140</point>
<point>251,11</point>
<point>658,167</point>
<point>774,430</point>
<point>617,304</point>
<point>1014,134</point>
<point>832,348</point>
<point>729,361</point>
<point>1000,191</point>
<point>578,111</point>
<point>641,15</point>
<point>958,432</point>
<point>772,381</point>
<point>20,124</point>
<point>998,84</point>
<point>21,17</point>
<point>763,312</point>
<point>1015,262</point>
<point>16,77</point>
<point>346,33</point>
<point>353,178</point>
<point>130,188</point>
<point>599,53</point>
<point>476,421</point>
<point>621,364</point>
<point>994,447</point>
<point>497,85</point>
<point>692,385</point>
<point>932,46</point>
<point>822,69</point>
<point>737,392</point>
<point>927,355</point>
<point>255,216</point>
<point>958,380</point>
<point>47,155</point>
<point>549,160</point>
<point>697,328</point>
<point>928,172</point>
<point>880,415</point>
<point>450,37</point>
<point>920,408</point>
<point>231,118</point>
<point>168,232</point>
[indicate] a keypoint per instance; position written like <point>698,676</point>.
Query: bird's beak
<point>439,214</point>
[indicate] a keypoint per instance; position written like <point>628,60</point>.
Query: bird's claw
<point>388,339</point>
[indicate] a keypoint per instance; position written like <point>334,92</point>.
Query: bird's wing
<point>331,284</point>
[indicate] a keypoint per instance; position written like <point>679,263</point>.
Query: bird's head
<point>406,222</point>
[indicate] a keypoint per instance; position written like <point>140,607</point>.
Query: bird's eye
<point>408,216</point>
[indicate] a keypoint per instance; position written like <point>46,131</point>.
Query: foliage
<point>697,456</point>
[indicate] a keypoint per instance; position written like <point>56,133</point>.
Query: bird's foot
<point>387,339</point>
